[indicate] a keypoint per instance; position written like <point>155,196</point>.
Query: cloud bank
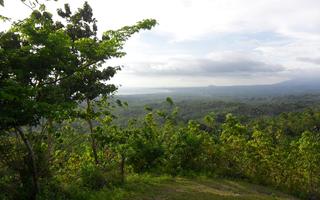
<point>315,61</point>
<point>205,67</point>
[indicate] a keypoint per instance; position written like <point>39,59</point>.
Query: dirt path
<point>204,189</point>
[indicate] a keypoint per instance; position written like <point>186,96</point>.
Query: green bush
<point>92,177</point>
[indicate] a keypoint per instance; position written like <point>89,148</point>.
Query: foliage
<point>59,138</point>
<point>47,68</point>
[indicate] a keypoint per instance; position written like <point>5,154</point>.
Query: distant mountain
<point>307,82</point>
<point>295,86</point>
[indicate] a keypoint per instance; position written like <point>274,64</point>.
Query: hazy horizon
<point>293,86</point>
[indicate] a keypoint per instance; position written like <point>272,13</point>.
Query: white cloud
<point>213,65</point>
<point>205,24</point>
<point>189,19</point>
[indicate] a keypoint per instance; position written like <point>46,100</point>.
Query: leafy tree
<point>233,137</point>
<point>258,158</point>
<point>90,53</point>
<point>34,53</point>
<point>309,160</point>
<point>47,68</point>
<point>119,141</point>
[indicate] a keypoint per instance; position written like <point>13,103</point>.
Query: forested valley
<point>65,134</point>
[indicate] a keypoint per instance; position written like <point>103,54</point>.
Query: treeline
<point>282,152</point>
<point>246,108</point>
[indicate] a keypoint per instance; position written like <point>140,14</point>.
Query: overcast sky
<point>209,42</point>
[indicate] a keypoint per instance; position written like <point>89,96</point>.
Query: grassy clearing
<point>167,188</point>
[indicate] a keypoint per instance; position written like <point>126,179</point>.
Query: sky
<point>208,42</point>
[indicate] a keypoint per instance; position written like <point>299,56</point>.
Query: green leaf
<point>148,108</point>
<point>119,103</point>
<point>42,7</point>
<point>3,18</point>
<point>170,101</point>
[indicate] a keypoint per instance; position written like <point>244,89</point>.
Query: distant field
<point>166,188</point>
<point>194,107</point>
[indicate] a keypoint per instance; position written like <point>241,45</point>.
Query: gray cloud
<point>310,60</point>
<point>206,67</point>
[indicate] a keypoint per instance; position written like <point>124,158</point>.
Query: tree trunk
<point>50,140</point>
<point>93,144</point>
<point>122,165</point>
<point>35,188</point>
<point>93,141</point>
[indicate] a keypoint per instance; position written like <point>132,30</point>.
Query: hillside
<point>197,107</point>
<point>209,117</point>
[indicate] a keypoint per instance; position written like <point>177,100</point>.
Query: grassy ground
<point>166,188</point>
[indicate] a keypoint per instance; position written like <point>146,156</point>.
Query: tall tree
<point>33,54</point>
<point>47,67</point>
<point>91,53</point>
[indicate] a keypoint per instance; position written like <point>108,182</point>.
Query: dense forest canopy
<point>60,136</point>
